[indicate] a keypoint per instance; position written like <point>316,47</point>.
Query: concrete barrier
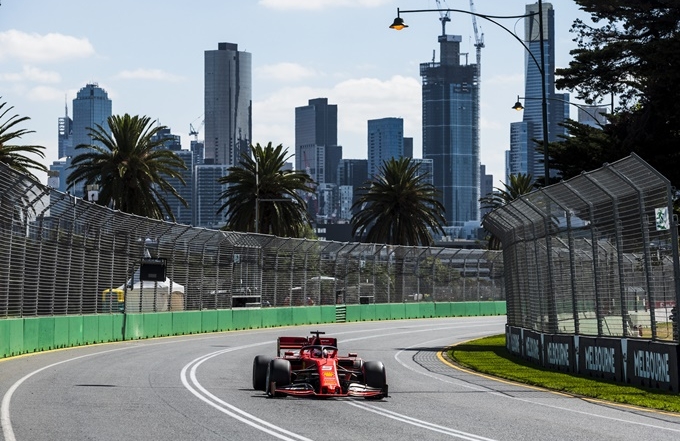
<point>33,334</point>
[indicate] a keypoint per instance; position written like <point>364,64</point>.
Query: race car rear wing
<point>290,343</point>
<point>293,343</point>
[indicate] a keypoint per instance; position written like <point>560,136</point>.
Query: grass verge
<point>489,356</point>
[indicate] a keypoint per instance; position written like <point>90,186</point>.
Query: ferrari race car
<point>311,366</point>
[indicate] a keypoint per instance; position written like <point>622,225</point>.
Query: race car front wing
<point>306,389</point>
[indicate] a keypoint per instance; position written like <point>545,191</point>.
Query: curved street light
<point>518,105</point>
<point>399,24</point>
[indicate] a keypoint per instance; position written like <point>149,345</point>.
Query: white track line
<point>203,394</point>
<point>5,422</point>
<point>461,383</point>
<point>420,423</point>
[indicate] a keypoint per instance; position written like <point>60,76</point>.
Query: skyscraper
<point>352,176</point>
<point>451,130</point>
<point>65,133</point>
<point>316,144</point>
<point>523,156</point>
<point>183,215</point>
<point>316,127</point>
<point>485,187</point>
<point>424,168</point>
<point>91,107</point>
<point>206,195</point>
<point>408,147</point>
<point>385,141</point>
<point>228,104</point>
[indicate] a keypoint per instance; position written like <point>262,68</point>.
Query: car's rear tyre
<point>374,376</point>
<point>279,374</point>
<point>260,366</point>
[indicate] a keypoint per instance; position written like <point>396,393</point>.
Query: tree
<point>633,52</point>
<point>14,156</point>
<point>518,185</point>
<point>129,166</point>
<point>584,148</point>
<point>398,207</point>
<point>261,185</point>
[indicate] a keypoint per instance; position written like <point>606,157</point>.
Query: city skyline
<point>156,67</point>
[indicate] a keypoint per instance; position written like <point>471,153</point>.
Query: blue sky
<point>148,56</point>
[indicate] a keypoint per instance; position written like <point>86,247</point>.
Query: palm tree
<point>398,207</point>
<point>518,185</point>
<point>128,167</point>
<point>14,155</point>
<point>264,197</point>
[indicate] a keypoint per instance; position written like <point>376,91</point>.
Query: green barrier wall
<point>33,334</point>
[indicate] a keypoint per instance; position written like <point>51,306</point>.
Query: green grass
<point>489,356</point>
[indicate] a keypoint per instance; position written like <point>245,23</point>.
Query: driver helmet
<point>317,353</point>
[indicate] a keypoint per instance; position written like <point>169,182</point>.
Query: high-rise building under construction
<point>451,130</point>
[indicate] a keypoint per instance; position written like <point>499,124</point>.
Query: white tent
<point>145,296</point>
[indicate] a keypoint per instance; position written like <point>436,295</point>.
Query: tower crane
<point>479,41</point>
<point>193,131</point>
<point>443,16</point>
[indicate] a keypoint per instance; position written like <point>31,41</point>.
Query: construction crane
<point>479,40</point>
<point>479,44</point>
<point>192,131</point>
<point>443,16</point>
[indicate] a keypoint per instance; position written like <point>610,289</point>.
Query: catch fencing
<point>64,255</point>
<point>596,255</point>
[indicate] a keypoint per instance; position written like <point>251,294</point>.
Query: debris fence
<point>594,255</point>
<point>64,255</point>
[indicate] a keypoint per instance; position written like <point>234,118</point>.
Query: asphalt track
<point>199,388</point>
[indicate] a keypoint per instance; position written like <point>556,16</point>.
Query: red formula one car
<point>311,366</point>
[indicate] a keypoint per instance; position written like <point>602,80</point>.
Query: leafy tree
<point>13,155</point>
<point>129,167</point>
<point>260,184</point>
<point>398,207</point>
<point>633,52</point>
<point>518,185</point>
<point>584,148</point>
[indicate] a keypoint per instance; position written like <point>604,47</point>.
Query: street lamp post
<point>399,24</point>
<point>518,105</point>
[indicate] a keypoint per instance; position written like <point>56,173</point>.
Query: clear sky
<point>148,56</point>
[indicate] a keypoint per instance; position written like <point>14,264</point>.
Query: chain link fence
<point>595,255</point>
<point>64,255</point>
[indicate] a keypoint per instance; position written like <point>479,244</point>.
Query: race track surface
<point>199,388</point>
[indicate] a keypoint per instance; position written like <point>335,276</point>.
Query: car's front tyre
<point>260,366</point>
<point>279,374</point>
<point>375,377</point>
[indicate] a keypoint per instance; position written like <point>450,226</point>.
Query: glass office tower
<point>524,157</point>
<point>228,104</point>
<point>385,141</point>
<point>451,130</point>
<point>91,107</point>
